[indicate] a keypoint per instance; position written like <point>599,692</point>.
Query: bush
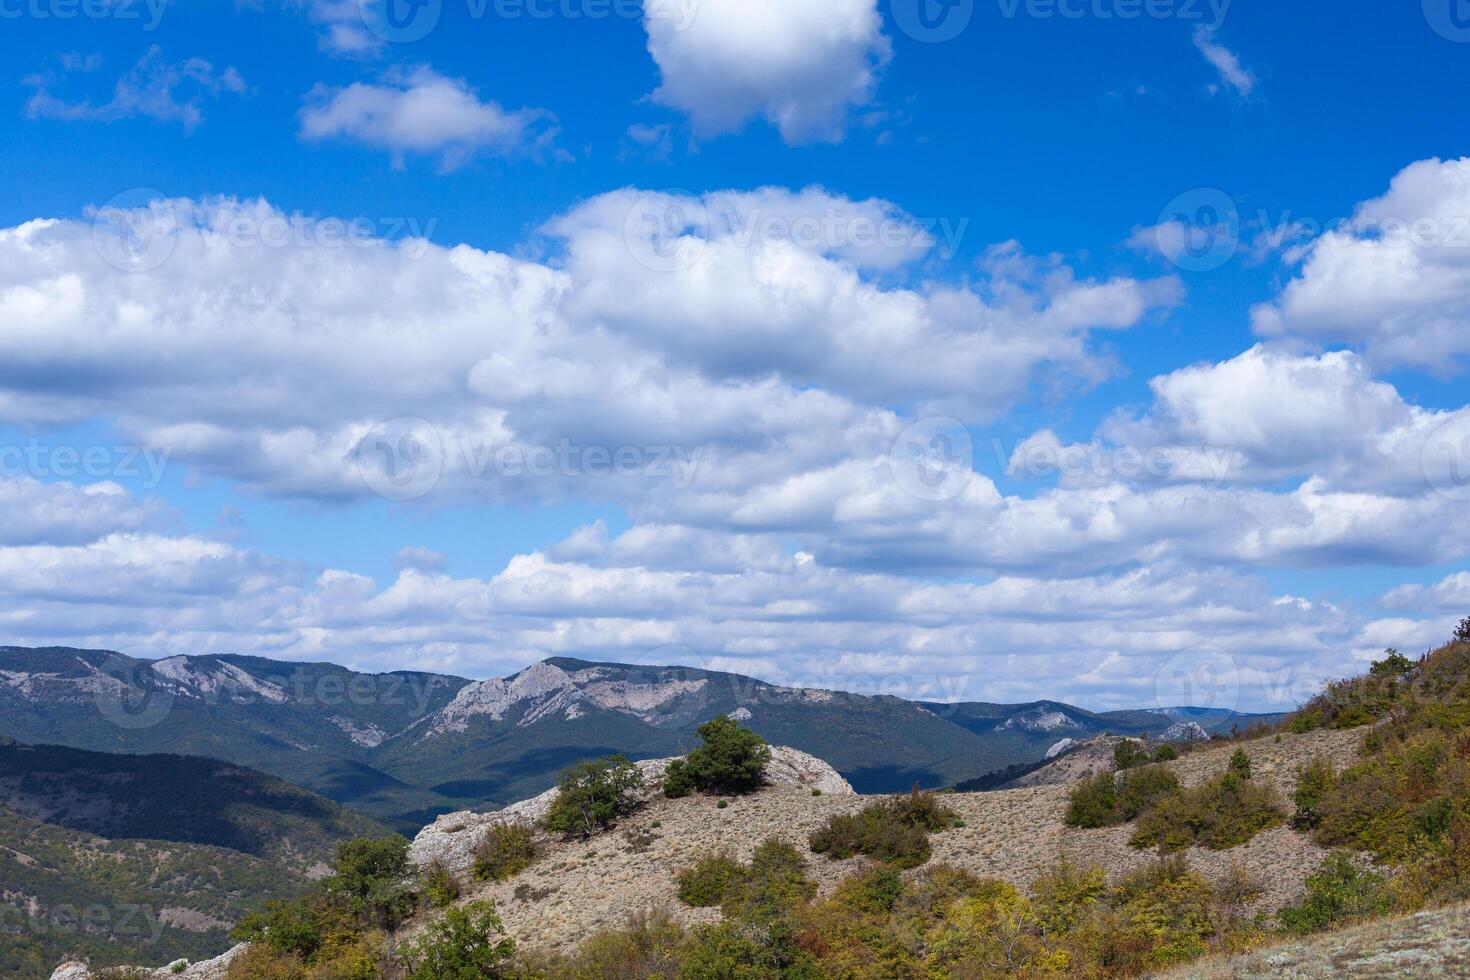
<point>1338,892</point>
<point>591,795</point>
<point>505,850</point>
<point>370,881</point>
<point>1313,783</point>
<point>1129,753</point>
<point>439,885</point>
<point>895,830</point>
<point>1222,813</point>
<point>731,759</point>
<point>1240,764</point>
<point>466,943</point>
<point>705,884</point>
<point>367,891</point>
<point>772,885</point>
<point>1108,799</point>
<point>1166,753</point>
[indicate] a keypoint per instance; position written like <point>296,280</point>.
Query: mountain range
<point>405,746</point>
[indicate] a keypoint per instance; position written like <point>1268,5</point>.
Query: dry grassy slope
<point>578,887</point>
<point>1428,944</point>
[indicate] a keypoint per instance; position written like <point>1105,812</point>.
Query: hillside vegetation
<point>128,858</point>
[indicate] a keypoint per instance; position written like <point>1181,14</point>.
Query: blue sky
<point>1296,388</point>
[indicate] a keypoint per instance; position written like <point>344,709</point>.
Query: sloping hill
<point>127,858</point>
<point>1427,944</point>
<point>579,886</point>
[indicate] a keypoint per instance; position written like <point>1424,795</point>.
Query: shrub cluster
<point>505,850</point>
<point>941,923</point>
<point>1108,799</point>
<point>730,759</point>
<point>894,830</point>
<point>592,795</point>
<point>1221,813</point>
<point>339,930</point>
<point>1129,753</point>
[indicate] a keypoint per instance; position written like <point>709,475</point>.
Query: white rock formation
<point>1184,731</point>
<point>1060,747</point>
<point>452,837</point>
<point>213,969</point>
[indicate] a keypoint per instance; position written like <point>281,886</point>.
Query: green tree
<point>593,794</point>
<point>731,759</point>
<point>370,880</point>
<point>1393,665</point>
<point>467,943</point>
<point>1312,785</point>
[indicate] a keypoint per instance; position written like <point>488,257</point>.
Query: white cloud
<point>1225,61</point>
<point>160,90</point>
<point>769,359</point>
<point>800,65</point>
<point>1395,280</point>
<point>423,112</point>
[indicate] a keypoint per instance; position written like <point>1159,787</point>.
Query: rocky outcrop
<point>1184,731</point>
<point>1060,747</point>
<point>213,969</point>
<point>452,837</point>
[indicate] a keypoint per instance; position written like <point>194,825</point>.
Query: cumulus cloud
<point>1265,416</point>
<point>768,358</point>
<point>154,88</point>
<point>801,66</point>
<point>1394,280</point>
<point>787,617</point>
<point>423,113</point>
